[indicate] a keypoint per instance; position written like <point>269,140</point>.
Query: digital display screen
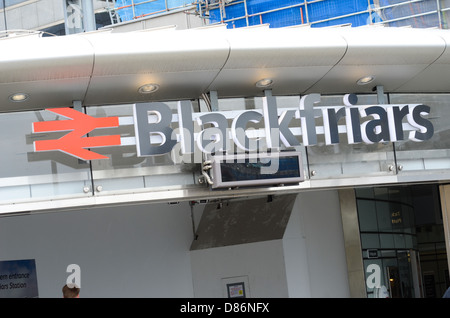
<point>251,169</point>
<point>257,169</point>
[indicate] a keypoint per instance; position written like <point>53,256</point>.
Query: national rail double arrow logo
<point>75,142</point>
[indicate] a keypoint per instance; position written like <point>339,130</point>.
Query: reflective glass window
<point>429,159</point>
<point>25,174</point>
<point>345,159</point>
<point>125,171</point>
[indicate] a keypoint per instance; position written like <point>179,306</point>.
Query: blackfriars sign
<point>272,127</point>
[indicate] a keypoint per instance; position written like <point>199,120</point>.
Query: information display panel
<point>255,169</point>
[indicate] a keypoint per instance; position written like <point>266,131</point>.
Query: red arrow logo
<point>74,143</point>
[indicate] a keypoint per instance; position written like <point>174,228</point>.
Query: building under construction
<point>49,17</point>
<point>317,13</point>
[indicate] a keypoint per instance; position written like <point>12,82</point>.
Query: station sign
<point>158,129</point>
<point>18,279</point>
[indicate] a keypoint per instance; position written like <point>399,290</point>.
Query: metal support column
<point>352,241</point>
<point>445,208</point>
<point>380,95</point>
<point>88,15</point>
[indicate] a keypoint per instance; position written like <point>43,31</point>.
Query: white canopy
<point>105,67</point>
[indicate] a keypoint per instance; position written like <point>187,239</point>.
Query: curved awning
<point>108,68</point>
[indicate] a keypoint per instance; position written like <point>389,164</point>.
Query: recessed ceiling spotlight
<point>148,88</point>
<point>265,82</point>
<point>365,80</point>
<point>18,97</point>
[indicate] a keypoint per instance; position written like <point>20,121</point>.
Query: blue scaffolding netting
<point>291,12</point>
<point>277,13</point>
<point>133,9</point>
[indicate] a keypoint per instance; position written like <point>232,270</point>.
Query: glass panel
<point>386,241</point>
<point>370,240</point>
<point>293,102</point>
<point>367,215</point>
<point>125,171</point>
<point>381,193</point>
<point>410,241</point>
<point>392,233</point>
<point>348,160</point>
<point>399,241</point>
<point>429,158</point>
<point>386,216</point>
<point>388,253</point>
<point>240,104</point>
<point>25,174</point>
<point>366,193</point>
<point>373,271</point>
<point>256,103</point>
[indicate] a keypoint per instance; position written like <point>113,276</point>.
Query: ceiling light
<point>148,88</point>
<point>18,97</point>
<point>266,82</point>
<point>365,80</point>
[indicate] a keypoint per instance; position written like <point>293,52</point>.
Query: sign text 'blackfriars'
<point>250,130</point>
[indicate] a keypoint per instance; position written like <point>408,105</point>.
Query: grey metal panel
<point>371,45</point>
<point>107,68</point>
<point>437,74</point>
<point>225,224</point>
<point>124,88</point>
<point>268,48</point>
<point>156,52</point>
<point>183,63</point>
<point>54,71</point>
<point>32,58</point>
<point>392,55</point>
<point>44,93</point>
<point>295,58</point>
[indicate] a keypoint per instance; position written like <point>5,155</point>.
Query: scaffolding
<point>111,9</point>
<point>316,13</point>
<point>136,9</point>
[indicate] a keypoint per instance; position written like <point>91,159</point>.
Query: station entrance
<point>403,241</point>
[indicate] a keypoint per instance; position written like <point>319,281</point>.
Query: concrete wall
<point>260,265</point>
<point>308,262</point>
<point>314,249</point>
<point>132,251</point>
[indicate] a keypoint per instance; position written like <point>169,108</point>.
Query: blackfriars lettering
<point>363,124</point>
<point>261,130</point>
